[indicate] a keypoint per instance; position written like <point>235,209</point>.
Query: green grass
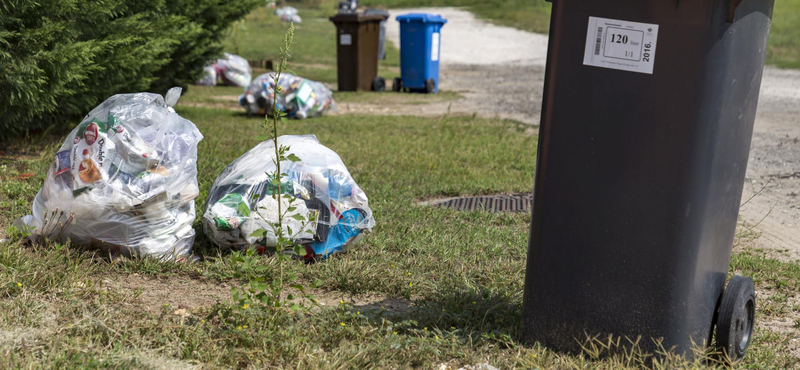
<point>459,275</point>
<point>784,38</point>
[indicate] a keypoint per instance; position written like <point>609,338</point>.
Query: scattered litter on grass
<point>299,97</point>
<point>243,201</point>
<point>181,312</point>
<point>124,180</point>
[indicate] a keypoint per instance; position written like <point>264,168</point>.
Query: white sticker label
<point>623,45</point>
<point>435,47</point>
<point>345,39</point>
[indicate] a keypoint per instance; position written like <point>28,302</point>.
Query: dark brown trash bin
<point>357,40</point>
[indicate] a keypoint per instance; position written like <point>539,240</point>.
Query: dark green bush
<point>60,58</point>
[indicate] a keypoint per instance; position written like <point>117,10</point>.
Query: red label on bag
<point>91,134</point>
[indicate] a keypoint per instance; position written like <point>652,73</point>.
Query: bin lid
<point>377,11</point>
<point>421,17</point>
<point>358,17</point>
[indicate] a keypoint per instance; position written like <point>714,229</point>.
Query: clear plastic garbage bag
<point>234,70</point>
<point>291,18</point>
<point>209,76</point>
<point>240,206</point>
<point>300,98</point>
<point>286,10</point>
<point>124,180</point>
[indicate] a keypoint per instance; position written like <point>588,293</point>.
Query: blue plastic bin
<point>420,42</point>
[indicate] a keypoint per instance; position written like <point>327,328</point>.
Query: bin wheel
<point>430,86</point>
<point>736,318</point>
<point>397,84</point>
<point>379,84</point>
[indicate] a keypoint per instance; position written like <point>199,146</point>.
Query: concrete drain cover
<point>496,203</point>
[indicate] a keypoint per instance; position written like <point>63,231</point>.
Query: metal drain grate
<point>495,203</point>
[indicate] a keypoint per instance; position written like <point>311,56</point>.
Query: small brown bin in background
<point>357,40</point>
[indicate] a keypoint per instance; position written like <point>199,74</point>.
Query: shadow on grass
<point>469,312</point>
<point>479,314</point>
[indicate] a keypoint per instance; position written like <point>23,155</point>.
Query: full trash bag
<point>300,98</point>
<point>124,180</point>
<point>288,14</point>
<point>286,10</point>
<point>209,76</point>
<point>291,18</point>
<point>240,205</point>
<point>234,70</point>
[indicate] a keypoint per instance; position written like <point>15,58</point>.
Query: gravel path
<point>774,166</point>
<point>499,71</point>
<point>467,40</point>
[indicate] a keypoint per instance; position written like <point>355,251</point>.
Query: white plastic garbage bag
<point>209,76</point>
<point>286,10</point>
<point>294,18</point>
<point>234,70</point>
<point>124,180</point>
<point>240,201</point>
<point>300,97</point>
<point>288,14</point>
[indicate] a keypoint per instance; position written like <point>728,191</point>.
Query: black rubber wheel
<point>379,84</point>
<point>397,84</point>
<point>736,318</point>
<point>430,86</point>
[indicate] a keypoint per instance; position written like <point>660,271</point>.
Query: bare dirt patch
<point>786,323</point>
<point>150,294</point>
<point>154,360</point>
<point>366,302</point>
<point>310,65</point>
<point>396,104</point>
<point>212,104</point>
<point>494,92</point>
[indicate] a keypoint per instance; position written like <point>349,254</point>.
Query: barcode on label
<point>632,47</point>
<point>599,41</point>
